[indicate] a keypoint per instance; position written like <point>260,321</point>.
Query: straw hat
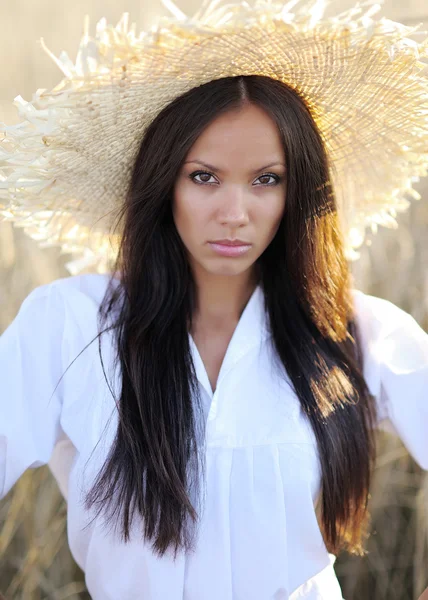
<point>65,167</point>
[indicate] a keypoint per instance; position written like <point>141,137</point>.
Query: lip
<point>227,242</point>
<point>229,247</point>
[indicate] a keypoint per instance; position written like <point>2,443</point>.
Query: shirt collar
<point>251,329</point>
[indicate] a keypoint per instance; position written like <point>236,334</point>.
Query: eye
<point>276,178</point>
<point>204,174</point>
<point>206,178</point>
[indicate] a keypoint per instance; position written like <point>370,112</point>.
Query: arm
<point>395,351</point>
<point>30,367</point>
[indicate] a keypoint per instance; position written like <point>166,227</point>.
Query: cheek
<point>269,216</point>
<point>189,215</point>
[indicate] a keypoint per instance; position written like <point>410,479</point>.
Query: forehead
<point>248,133</point>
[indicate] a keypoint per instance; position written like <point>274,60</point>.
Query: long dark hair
<point>155,463</point>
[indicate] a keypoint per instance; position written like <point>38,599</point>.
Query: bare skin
<point>240,198</point>
<point>212,352</point>
<point>424,595</point>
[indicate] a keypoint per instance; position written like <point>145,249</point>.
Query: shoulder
<point>76,294</point>
<point>392,340</point>
<point>379,316</point>
<point>91,286</point>
<point>63,309</point>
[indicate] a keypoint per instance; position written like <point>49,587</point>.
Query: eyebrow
<point>217,170</point>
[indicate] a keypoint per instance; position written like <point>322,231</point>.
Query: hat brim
<point>65,169</point>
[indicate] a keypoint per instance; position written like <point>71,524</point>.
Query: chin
<point>227,267</point>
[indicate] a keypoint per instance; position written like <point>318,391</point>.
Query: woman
<point>218,440</point>
<point>216,225</point>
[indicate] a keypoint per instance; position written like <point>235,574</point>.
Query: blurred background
<point>35,563</point>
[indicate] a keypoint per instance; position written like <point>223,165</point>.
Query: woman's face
<point>231,187</point>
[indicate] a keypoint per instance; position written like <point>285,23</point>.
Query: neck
<point>220,300</point>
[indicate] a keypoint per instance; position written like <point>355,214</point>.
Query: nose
<point>233,211</point>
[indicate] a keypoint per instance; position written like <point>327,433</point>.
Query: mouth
<point>230,247</point>
<point>228,242</point>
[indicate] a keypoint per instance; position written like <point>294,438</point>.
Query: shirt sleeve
<point>30,368</point>
<point>395,352</point>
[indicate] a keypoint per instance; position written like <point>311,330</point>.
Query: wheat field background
<point>35,562</point>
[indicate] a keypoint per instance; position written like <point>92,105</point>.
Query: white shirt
<point>259,537</point>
